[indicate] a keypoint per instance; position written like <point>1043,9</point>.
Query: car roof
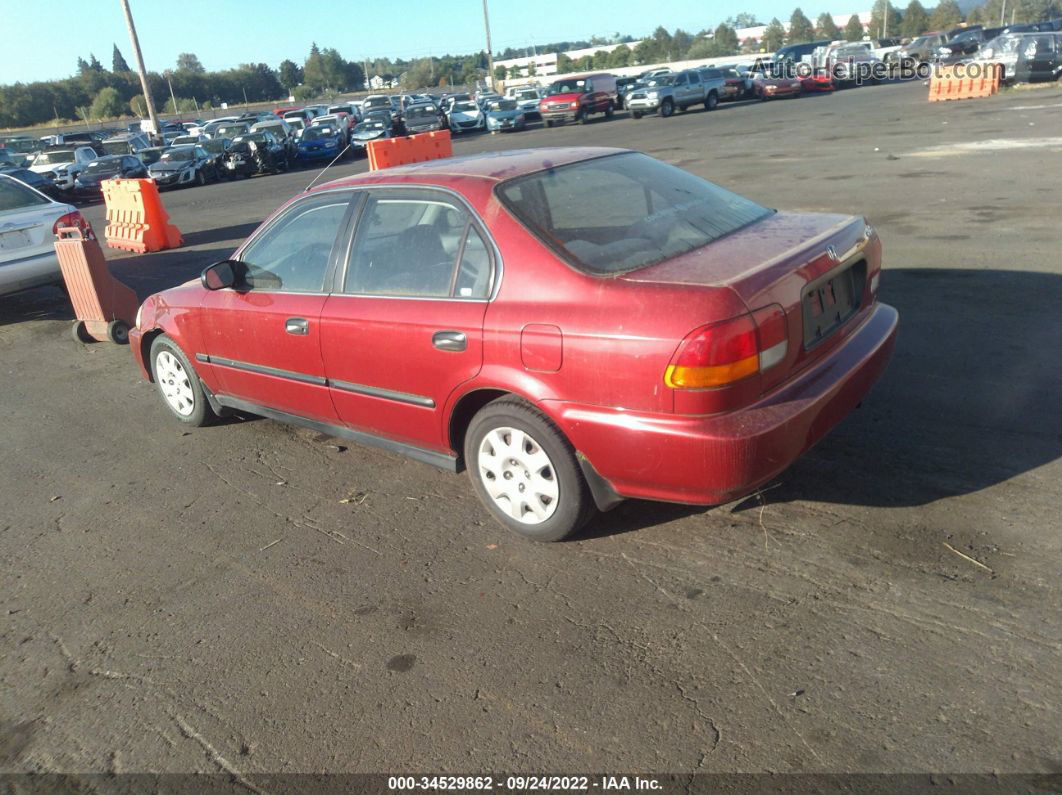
<point>490,166</point>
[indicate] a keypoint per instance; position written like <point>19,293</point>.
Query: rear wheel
<point>635,114</point>
<point>525,473</point>
<point>667,107</point>
<point>609,110</point>
<point>711,101</point>
<point>581,116</point>
<point>549,123</point>
<point>178,383</point>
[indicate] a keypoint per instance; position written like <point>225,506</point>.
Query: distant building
<point>546,63</point>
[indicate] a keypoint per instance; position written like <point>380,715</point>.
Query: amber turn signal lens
<point>706,377</point>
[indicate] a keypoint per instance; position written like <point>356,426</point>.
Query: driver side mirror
<point>219,275</point>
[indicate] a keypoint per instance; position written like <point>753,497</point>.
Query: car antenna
<point>342,152</point>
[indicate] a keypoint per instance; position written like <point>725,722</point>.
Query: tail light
<point>721,354</point>
<point>72,219</point>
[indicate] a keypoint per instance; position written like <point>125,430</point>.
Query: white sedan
<point>28,221</point>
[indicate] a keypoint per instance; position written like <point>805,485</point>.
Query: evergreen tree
<point>915,20</point>
<point>827,28</point>
<point>118,63</point>
<point>800,28</point>
<point>853,31</point>
<point>773,36</point>
<point>945,16</point>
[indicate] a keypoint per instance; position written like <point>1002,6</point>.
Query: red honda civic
<point>572,326</point>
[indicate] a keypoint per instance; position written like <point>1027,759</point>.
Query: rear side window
<point>412,246</point>
<point>617,213</point>
<point>16,196</point>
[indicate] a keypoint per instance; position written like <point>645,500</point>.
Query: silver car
<point>28,220</point>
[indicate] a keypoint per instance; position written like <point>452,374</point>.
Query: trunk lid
<point>816,267</point>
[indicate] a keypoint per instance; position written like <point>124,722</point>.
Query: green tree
<point>108,104</point>
<point>118,63</point>
<point>884,19</point>
<point>774,36</point>
<point>138,105</point>
<point>94,63</point>
<point>976,16</point>
<point>853,31</point>
<point>681,41</point>
<point>645,52</point>
<point>82,65</point>
<point>189,62</point>
<point>585,64</point>
<point>620,57</point>
<point>499,74</point>
<point>946,15</point>
<point>289,74</point>
<point>600,59</point>
<point>826,28</point>
<point>915,20</point>
<point>564,64</point>
<point>800,28</point>
<point>662,43</point>
<point>725,39</point>
<point>742,20</point>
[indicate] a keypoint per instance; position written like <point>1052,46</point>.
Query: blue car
<point>319,142</point>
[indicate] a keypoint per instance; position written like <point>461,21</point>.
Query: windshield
<point>1004,45</point>
<point>621,212</point>
<point>258,138</point>
<point>53,158</point>
<point>116,147</point>
<point>316,133</point>
<point>104,166</point>
<point>372,126</point>
<point>527,95</point>
<point>659,80</point>
<point>503,105</point>
<point>421,112</point>
<point>378,102</point>
<point>178,155</point>
<point>465,107</point>
<point>214,146</point>
<point>228,130</point>
<point>567,87</point>
<point>922,41</point>
<point>150,155</point>
<point>298,124</point>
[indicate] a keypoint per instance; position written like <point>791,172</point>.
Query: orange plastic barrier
<point>136,219</point>
<point>409,149</point>
<point>105,307</point>
<point>955,82</point>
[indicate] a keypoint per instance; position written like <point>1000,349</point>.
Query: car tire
<point>636,114</point>
<point>549,123</point>
<point>541,464</point>
<point>667,108</point>
<point>609,110</point>
<point>178,383</point>
<point>581,117</point>
<point>118,332</point>
<point>711,101</point>
<point>200,178</point>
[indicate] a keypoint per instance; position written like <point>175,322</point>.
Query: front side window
<point>292,254</point>
<point>621,212</point>
<point>417,247</point>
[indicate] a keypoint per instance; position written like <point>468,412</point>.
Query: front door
<point>263,338</point>
<point>404,326</point>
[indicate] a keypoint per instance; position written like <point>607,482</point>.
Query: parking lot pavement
<point>255,598</point>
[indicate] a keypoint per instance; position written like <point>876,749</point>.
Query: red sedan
<point>572,326</point>
<point>766,86</point>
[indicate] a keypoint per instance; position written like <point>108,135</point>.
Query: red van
<point>575,98</point>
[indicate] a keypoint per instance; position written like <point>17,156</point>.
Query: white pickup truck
<point>65,163</point>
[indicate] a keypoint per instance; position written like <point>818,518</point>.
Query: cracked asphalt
<point>250,598</point>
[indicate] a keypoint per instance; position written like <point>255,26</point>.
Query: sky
<point>225,33</point>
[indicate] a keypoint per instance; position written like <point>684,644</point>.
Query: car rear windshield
<point>107,166</point>
<point>314,133</point>
<point>16,196</point>
<point>621,212</point>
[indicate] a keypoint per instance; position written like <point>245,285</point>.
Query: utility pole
<point>490,54</point>
<point>1002,13</point>
<point>140,66</point>
<point>173,99</point>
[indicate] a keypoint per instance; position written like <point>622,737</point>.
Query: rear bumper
<point>712,460</point>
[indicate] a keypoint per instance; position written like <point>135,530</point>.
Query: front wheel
<point>178,383</point>
<point>711,101</point>
<point>582,117</point>
<point>636,114</point>
<point>524,471</point>
<point>667,107</point>
<point>609,110</point>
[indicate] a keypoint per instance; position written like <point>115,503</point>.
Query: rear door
<point>403,327</point>
<point>263,339</point>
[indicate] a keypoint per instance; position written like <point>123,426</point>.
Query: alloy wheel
<point>175,383</point>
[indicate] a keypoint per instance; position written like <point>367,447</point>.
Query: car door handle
<point>454,341</point>
<point>298,326</point>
